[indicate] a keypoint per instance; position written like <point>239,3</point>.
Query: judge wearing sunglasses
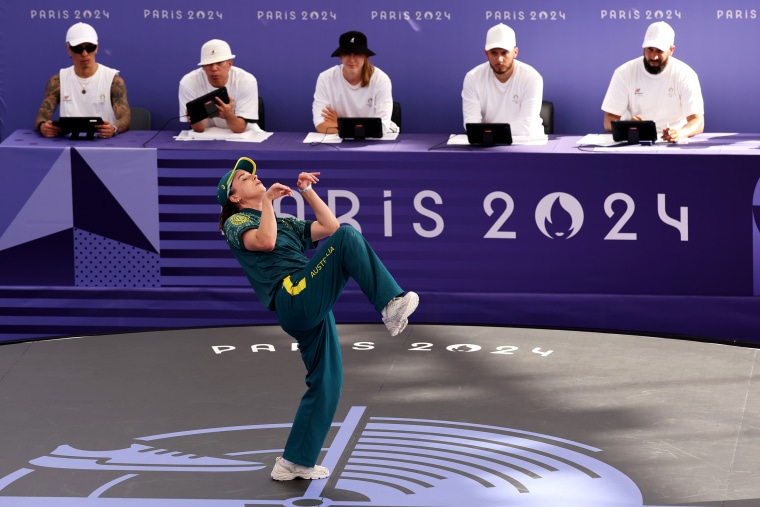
<point>87,88</point>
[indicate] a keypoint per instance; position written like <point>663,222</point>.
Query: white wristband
<point>302,190</point>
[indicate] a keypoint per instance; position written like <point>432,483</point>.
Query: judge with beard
<point>503,89</point>
<point>657,87</point>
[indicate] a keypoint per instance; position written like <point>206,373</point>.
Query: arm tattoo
<point>51,100</point>
<point>120,104</point>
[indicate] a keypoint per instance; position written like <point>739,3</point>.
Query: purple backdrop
<point>426,47</point>
<point>648,239</point>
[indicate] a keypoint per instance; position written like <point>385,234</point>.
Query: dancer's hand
<point>277,190</point>
<point>307,179</point>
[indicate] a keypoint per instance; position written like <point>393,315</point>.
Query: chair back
<point>396,114</point>
<point>140,118</point>
<point>262,114</point>
<point>547,115</point>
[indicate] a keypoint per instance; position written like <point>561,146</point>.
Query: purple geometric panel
<point>130,174</point>
<point>96,210</point>
<point>103,262</point>
<point>29,178</point>
<point>43,261</point>
<point>756,247</point>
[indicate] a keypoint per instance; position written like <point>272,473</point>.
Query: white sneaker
<point>285,471</point>
<point>396,313</point>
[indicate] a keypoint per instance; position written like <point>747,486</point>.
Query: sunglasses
<point>90,48</point>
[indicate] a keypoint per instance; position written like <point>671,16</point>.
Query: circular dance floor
<point>439,416</point>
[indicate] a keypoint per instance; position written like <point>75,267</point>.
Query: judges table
<point>120,235</point>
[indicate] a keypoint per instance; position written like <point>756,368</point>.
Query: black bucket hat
<point>353,42</point>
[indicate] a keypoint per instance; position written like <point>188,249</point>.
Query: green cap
<point>223,190</point>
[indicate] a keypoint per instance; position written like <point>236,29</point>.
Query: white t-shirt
<point>97,100</point>
<point>241,86</point>
<point>518,101</point>
<point>372,101</point>
<point>666,98</point>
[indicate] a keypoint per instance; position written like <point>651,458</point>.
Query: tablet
<point>634,131</point>
<point>489,134</point>
<point>360,129</point>
<point>80,127</point>
<point>205,106</point>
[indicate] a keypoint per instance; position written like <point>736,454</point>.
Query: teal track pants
<point>304,309</point>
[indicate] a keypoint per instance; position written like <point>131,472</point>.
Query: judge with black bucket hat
<point>354,88</point>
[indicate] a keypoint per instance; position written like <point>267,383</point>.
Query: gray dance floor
<point>440,416</point>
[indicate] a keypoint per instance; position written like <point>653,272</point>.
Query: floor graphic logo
<point>378,461</point>
<point>140,458</point>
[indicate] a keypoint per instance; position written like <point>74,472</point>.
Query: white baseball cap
<point>80,33</point>
<point>659,35</point>
<point>501,36</point>
<point>215,51</point>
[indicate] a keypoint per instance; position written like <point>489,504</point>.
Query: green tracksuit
<point>303,291</point>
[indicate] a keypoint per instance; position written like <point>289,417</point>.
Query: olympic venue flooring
<point>438,416</point>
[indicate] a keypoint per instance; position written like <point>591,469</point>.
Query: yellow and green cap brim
<point>223,189</point>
